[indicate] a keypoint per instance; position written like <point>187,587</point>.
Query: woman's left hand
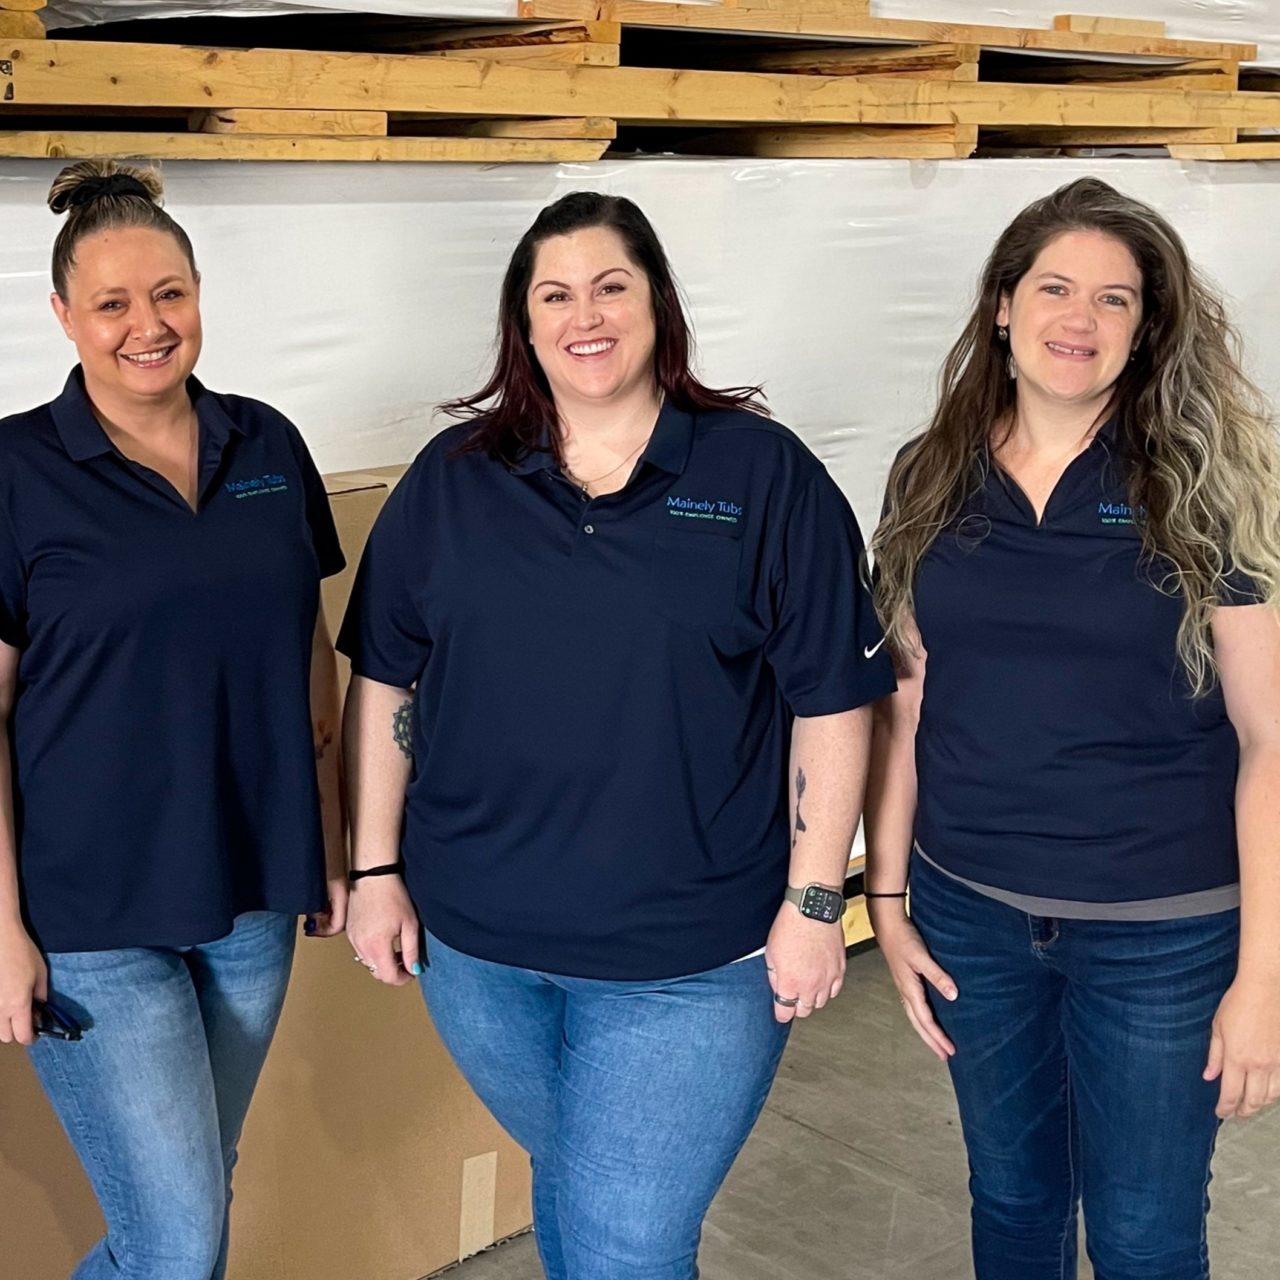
<point>1245,1048</point>
<point>328,924</point>
<point>804,959</point>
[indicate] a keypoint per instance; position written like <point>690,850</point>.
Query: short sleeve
<point>826,648</point>
<point>383,632</point>
<point>13,585</point>
<point>324,534</point>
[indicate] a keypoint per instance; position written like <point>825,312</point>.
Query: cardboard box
<point>365,1156</point>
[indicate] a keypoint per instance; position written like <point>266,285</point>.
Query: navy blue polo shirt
<point>164,761</point>
<point>605,689</point>
<point>1060,753</point>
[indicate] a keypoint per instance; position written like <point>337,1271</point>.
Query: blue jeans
<point>632,1098</point>
<point>1079,1051</point>
<point>154,1096</point>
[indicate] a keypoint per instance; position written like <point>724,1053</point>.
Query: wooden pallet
<point>850,22</point>
<point>928,95</point>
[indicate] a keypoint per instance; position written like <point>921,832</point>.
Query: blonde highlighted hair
<point>1202,451</point>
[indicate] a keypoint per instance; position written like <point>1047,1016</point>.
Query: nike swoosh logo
<point>875,648</point>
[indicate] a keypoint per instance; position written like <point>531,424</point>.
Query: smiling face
<point>133,311</point>
<point>1073,319</point>
<point>591,318</point>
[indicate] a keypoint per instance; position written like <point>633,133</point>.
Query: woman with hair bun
<point>1078,570</point>
<point>168,701</point>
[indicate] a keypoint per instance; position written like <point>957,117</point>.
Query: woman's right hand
<point>911,966</point>
<point>379,913</point>
<point>24,977</point>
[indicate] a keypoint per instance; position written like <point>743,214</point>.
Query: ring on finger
<point>787,1002</point>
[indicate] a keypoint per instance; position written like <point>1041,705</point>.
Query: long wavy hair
<point>1199,441</point>
<point>514,411</point>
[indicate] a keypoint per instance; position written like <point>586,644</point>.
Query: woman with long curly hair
<point>1078,569</point>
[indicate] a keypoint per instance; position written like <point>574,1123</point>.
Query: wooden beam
<point>1071,137</point>
<point>847,8</point>
<point>327,124</point>
<point>1086,24</point>
<point>564,127</point>
<point>88,73</point>
<point>914,62</point>
<point>20,26</point>
<point>489,36</point>
<point>567,9</point>
<point>579,54</point>
<point>709,17</point>
<point>205,146</point>
<point>1236,151</point>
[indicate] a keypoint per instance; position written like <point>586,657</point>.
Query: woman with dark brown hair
<point>598,627</point>
<point>1078,570</point>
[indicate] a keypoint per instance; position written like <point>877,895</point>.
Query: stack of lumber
<point>564,80</point>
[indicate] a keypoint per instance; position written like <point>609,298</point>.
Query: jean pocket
<point>693,577</point>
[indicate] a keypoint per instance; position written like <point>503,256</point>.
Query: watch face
<point>822,904</point>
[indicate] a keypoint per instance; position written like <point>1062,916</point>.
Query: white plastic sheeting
<point>354,298</point>
<point>1249,21</point>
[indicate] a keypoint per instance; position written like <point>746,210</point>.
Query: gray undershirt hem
<point>1205,902</point>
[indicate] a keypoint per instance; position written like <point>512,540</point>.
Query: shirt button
<point>588,528</point>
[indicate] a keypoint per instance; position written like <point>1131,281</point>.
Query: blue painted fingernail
<point>309,928</point>
<point>416,969</point>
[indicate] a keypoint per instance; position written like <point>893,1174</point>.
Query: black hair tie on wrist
<point>114,184</point>
<point>903,894</point>
<point>387,869</point>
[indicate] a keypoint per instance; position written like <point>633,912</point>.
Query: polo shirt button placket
<point>588,528</point>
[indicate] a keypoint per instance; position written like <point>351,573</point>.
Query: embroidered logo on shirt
<point>258,485</point>
<point>1118,513</point>
<point>704,509</point>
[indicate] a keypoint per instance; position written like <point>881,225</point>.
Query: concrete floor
<point>856,1170</point>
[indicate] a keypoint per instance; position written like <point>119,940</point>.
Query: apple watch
<point>818,902</point>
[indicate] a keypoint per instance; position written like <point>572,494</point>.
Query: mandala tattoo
<point>402,729</point>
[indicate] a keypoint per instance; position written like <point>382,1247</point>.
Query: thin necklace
<point>582,484</point>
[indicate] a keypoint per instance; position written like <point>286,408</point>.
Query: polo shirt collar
<point>668,448</point>
<point>672,440</point>
<point>538,459</point>
<point>82,435</point>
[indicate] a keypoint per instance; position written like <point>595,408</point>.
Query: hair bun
<point>81,184</point>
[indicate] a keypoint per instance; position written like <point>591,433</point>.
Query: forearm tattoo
<point>402,729</point>
<point>800,784</point>
<point>324,739</point>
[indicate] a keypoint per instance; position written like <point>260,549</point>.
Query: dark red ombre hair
<point>514,412</point>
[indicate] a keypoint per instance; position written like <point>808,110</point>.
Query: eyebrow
<point>118,288</point>
<point>594,279</point>
<point>1057,275</point>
